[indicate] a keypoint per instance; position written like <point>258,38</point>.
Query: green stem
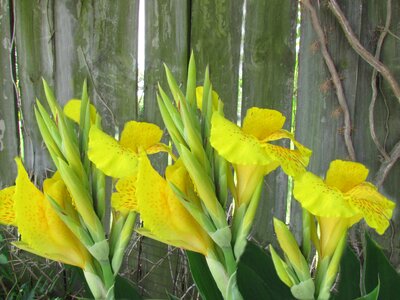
<point>230,261</point>
<point>108,278</point>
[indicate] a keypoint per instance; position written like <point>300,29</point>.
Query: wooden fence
<point>250,47</point>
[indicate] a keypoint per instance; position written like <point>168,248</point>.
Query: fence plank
<point>35,60</point>
<point>268,67</point>
<point>98,41</point>
<point>319,119</point>
<point>386,112</point>
<point>166,41</point>
<point>8,105</point>
<point>215,40</point>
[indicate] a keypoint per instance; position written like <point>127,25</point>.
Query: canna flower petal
<point>250,145</point>
<point>234,145</point>
<point>140,135</point>
<point>345,175</point>
<point>199,98</point>
<point>321,199</point>
<point>42,232</point>
<point>262,122</point>
<point>291,161</point>
<point>164,217</point>
<point>7,215</point>
<point>73,111</point>
<point>109,156</point>
<point>376,209</point>
<point>124,200</point>
<point>120,159</point>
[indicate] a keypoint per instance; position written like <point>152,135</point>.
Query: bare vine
<point>381,39</point>
<point>335,77</point>
<point>378,66</point>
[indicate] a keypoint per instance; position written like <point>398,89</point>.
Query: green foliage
<point>349,280</point>
<point>257,278</point>
<point>205,283</point>
<point>379,271</point>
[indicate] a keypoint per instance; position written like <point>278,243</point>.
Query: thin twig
<point>335,78</point>
<point>379,44</point>
<point>366,55</point>
<point>387,165</point>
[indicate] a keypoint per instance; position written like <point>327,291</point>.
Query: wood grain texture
<point>33,26</point>
<point>215,40</point>
<point>268,72</point>
<point>9,137</point>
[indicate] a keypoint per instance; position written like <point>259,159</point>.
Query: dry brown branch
<point>335,77</point>
<point>381,39</point>
<point>387,165</point>
<point>356,45</point>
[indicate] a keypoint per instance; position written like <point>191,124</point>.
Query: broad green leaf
<point>257,278</point>
<point>202,276</point>
<point>124,289</point>
<point>377,269</point>
<point>349,276</point>
<point>371,296</point>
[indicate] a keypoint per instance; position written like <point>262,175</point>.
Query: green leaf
<point>257,278</point>
<point>125,289</point>
<point>3,259</point>
<point>377,269</point>
<point>202,276</point>
<point>371,296</point>
<point>349,276</point>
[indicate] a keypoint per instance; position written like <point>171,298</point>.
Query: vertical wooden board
<point>386,112</point>
<point>35,60</point>
<point>215,40</point>
<point>166,41</point>
<point>268,72</point>
<point>98,41</point>
<point>9,139</point>
<point>319,119</point>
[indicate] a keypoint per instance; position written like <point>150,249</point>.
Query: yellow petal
<point>234,145</point>
<point>320,199</point>
<point>345,175</point>
<point>261,122</point>
<point>199,98</point>
<point>124,200</point>
<point>109,156</point>
<point>331,231</point>
<point>140,135</point>
<point>164,217</point>
<point>373,206</point>
<point>38,226</point>
<point>7,214</point>
<point>293,162</point>
<point>73,111</point>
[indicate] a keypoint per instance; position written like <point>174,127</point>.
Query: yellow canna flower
<point>124,199</point>
<point>120,159</point>
<point>73,111</point>
<point>199,98</point>
<point>250,151</point>
<point>164,217</point>
<point>343,199</point>
<point>42,231</point>
<point>7,214</point>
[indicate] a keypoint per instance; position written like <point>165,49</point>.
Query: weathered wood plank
<point>9,137</point>
<point>35,60</point>
<point>268,72</point>
<point>98,41</point>
<point>319,118</point>
<point>215,40</point>
<point>386,112</point>
<point>166,41</point>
